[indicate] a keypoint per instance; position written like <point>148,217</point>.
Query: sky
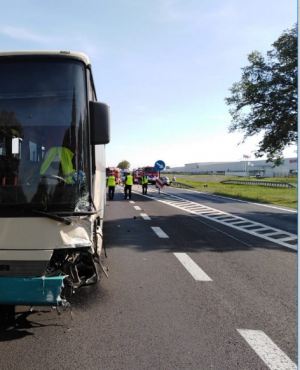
<point>163,66</point>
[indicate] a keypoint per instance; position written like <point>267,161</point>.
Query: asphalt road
<point>205,296</point>
<point>276,216</point>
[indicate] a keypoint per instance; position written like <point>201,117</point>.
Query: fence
<point>261,183</point>
<point>181,185</point>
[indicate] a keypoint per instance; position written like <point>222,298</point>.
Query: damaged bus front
<point>52,176</point>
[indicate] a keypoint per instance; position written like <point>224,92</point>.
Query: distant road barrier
<point>261,183</point>
<point>181,185</point>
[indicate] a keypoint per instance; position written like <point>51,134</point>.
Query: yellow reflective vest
<point>65,156</point>
<point>129,180</point>
<point>111,181</point>
<point>144,180</point>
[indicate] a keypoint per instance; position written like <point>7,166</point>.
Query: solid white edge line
<point>267,350</point>
<point>159,232</point>
<point>197,273</point>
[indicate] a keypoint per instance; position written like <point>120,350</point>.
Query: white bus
<point>52,176</point>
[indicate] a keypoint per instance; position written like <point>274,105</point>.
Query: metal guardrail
<point>181,185</point>
<point>261,183</point>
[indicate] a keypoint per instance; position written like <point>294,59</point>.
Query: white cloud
<point>23,34</point>
<point>95,52</point>
<point>207,14</point>
<point>83,44</point>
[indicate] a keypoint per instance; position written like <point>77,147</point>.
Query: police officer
<point>111,183</point>
<point>128,185</point>
<point>144,183</point>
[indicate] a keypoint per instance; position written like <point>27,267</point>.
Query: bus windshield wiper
<point>65,220</point>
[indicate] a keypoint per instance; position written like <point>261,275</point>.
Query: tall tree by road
<point>123,165</point>
<point>265,99</point>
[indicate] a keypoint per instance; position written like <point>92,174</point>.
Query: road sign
<point>159,183</point>
<point>160,165</point>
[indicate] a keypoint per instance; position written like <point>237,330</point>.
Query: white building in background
<point>245,167</point>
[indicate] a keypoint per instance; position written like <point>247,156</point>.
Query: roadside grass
<point>290,180</point>
<point>286,197</point>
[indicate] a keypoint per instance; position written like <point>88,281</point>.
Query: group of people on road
<point>111,183</point>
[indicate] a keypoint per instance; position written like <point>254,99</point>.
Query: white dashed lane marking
<point>197,273</point>
<point>137,208</point>
<point>267,350</point>
<point>159,232</point>
<point>145,216</point>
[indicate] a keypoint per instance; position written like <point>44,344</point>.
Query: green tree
<point>265,99</point>
<point>123,165</point>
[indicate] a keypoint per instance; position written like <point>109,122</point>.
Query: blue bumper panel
<point>39,291</point>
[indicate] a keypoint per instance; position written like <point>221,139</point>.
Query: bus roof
<point>60,53</point>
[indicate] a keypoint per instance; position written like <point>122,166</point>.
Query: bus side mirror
<point>99,123</point>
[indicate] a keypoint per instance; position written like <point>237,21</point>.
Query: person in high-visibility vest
<point>57,156</point>
<point>128,185</point>
<point>144,183</point>
<point>111,183</point>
